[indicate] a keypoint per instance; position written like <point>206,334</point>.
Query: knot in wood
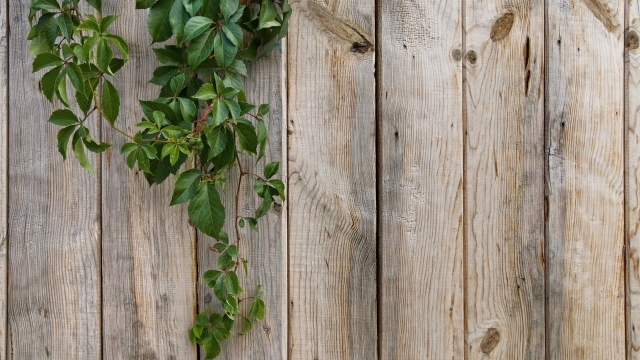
<point>632,40</point>
<point>490,340</point>
<point>502,26</point>
<point>472,57</point>
<point>361,47</point>
<point>456,54</point>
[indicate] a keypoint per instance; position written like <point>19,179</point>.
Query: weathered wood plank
<point>54,225</point>
<point>332,181</point>
<point>632,88</point>
<point>266,250</point>
<point>585,229</point>
<point>504,216</point>
<point>421,189</point>
<point>149,264</point>
<point>4,185</point>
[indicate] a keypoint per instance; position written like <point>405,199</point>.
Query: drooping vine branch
<point>201,116</point>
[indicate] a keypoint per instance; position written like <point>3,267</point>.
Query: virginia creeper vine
<point>201,117</point>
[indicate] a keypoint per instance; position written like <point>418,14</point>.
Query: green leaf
<point>188,109</point>
<point>66,26</point>
<point>128,147</point>
<point>97,4</point>
<point>241,223</point>
<point>163,74</point>
<point>144,4</point>
<point>64,118</point>
<point>271,169</point>
<point>192,6</point>
<point>45,5</point>
<point>201,48</point>
<point>45,60</point>
<point>268,12</point>
<point>234,33</point>
<point>105,22</point>
<point>168,57</point>
<point>206,92</point>
<point>186,186</point>
<point>263,109</point>
<point>253,224</point>
<point>195,27</point>
<point>90,25</point>
<point>150,151</point>
<point>120,43</point>
<point>158,21</point>
<point>219,112</point>
<point>110,102</point>
<point>228,8</point>
<point>247,136</point>
<point>257,310</point>
<point>95,146</point>
<point>206,210</point>
<point>104,56</point>
<point>63,140</point>
<point>221,333</point>
<point>233,285</point>
<point>49,82</point>
<point>224,49</point>
<point>217,141</point>
<point>78,150</point>
<point>246,326</point>
<point>143,161</point>
<point>279,185</point>
<point>75,76</point>
<point>220,289</point>
<point>210,277</point>
<point>262,131</point>
<point>211,348</point>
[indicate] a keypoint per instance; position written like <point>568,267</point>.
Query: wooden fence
<point>463,181</point>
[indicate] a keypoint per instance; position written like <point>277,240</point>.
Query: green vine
<point>201,117</point>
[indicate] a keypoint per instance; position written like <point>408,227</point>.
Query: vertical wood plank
<point>632,111</point>
<point>149,264</point>
<point>266,250</point>
<point>332,180</point>
<point>4,185</point>
<point>585,279</point>
<point>54,224</point>
<point>504,216</point>
<point>421,189</point>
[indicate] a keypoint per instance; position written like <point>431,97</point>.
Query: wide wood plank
<point>332,181</point>
<point>4,185</point>
<point>54,224</point>
<point>149,263</point>
<point>266,250</point>
<point>632,171</point>
<point>421,187</point>
<point>585,229</point>
<point>504,172</point>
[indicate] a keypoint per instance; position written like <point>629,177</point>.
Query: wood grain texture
<point>585,229</point>
<point>504,173</point>
<point>420,174</point>
<point>149,262</point>
<point>266,250</point>
<point>632,111</point>
<point>54,224</point>
<point>332,181</point>
<point>4,184</point>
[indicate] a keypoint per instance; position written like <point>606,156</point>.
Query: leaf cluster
<point>201,116</point>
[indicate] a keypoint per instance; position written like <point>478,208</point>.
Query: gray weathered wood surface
<point>332,180</point>
<point>504,173</point>
<point>632,172</point>
<point>463,179</point>
<point>420,179</point>
<point>585,184</point>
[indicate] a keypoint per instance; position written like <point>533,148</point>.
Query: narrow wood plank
<point>585,279</point>
<point>4,185</point>
<point>504,216</point>
<point>266,250</point>
<point>421,190</point>
<point>332,181</point>
<point>149,265</point>
<point>54,225</point>
<point>632,171</point>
